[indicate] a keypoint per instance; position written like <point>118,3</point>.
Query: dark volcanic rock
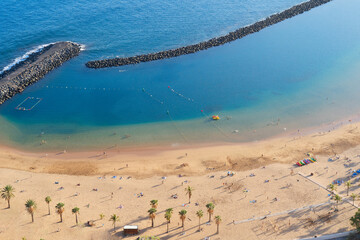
<point>35,67</point>
<point>240,33</point>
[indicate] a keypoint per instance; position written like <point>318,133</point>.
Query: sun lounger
<point>306,161</point>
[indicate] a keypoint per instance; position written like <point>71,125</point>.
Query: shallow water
<point>299,73</point>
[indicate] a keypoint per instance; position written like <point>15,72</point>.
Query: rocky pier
<point>237,34</point>
<point>35,67</point>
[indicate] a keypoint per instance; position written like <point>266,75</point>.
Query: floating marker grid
<point>28,104</point>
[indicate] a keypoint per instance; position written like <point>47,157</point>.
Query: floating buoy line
<point>176,127</point>
<point>83,88</point>
<point>151,96</point>
<point>180,95</point>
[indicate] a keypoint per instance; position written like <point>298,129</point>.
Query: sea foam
<point>24,57</point>
<point>28,54</point>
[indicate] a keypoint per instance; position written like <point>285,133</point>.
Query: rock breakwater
<point>240,33</point>
<point>35,67</point>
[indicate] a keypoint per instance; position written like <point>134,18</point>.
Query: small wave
<point>24,57</point>
<point>32,51</point>
<point>82,47</point>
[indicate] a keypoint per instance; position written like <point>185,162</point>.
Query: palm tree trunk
<point>209,217</point>
<point>152,222</point>
<point>60,217</point>
<point>199,224</point>
<point>32,217</point>
<point>217,232</point>
<point>189,198</point>
<point>182,220</point>
<point>114,226</point>
<point>49,208</point>
<point>76,219</point>
<point>8,203</point>
<point>167,227</point>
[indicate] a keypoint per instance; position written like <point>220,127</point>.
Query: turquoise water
<point>299,73</point>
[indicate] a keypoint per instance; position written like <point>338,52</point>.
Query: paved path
<point>297,209</point>
<point>345,199</point>
<point>342,235</point>
<point>282,213</point>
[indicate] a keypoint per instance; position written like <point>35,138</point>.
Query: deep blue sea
<point>300,73</point>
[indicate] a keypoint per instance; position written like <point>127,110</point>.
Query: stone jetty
<point>240,33</point>
<point>35,67</point>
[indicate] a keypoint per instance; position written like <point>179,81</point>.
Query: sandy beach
<point>267,197</point>
<point>248,107</point>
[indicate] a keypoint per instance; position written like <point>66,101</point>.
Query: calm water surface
<point>299,73</point>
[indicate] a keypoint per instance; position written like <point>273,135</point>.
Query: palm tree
<point>355,220</point>
<point>154,203</point>
<point>7,193</point>
<point>31,207</point>
<point>348,185</point>
<point>152,215</point>
<point>353,196</point>
<point>170,210</point>
<point>332,187</point>
<point>60,209</point>
<point>114,218</point>
<point>200,214</point>
<point>217,221</point>
<point>75,211</point>
<point>210,208</point>
<point>101,216</point>
<point>189,190</point>
<point>168,215</point>
<point>337,199</point>
<point>48,200</point>
<point>182,214</point>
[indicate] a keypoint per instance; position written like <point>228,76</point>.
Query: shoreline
<point>161,146</point>
<point>191,160</point>
<point>217,41</point>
